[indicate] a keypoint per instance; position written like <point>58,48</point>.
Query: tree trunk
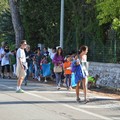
<point>17,24</point>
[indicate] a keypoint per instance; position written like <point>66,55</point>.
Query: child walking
<point>36,64</point>
<point>67,72</point>
<point>43,61</point>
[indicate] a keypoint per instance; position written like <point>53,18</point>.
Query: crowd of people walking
<point>24,63</point>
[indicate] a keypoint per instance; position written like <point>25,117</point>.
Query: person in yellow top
<point>67,71</point>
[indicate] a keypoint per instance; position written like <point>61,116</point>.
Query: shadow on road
<point>54,102</point>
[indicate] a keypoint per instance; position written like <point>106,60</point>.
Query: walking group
<point>24,63</point>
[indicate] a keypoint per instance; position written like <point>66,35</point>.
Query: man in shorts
<point>21,65</point>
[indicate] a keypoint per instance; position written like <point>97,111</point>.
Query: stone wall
<point>109,74</point>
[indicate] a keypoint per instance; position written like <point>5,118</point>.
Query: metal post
<point>62,23</point>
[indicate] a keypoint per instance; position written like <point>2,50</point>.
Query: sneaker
<point>45,81</point>
<point>58,87</point>
<point>78,100</point>
<point>64,84</point>
<point>86,101</point>
<point>3,77</point>
<point>39,78</point>
<point>9,77</point>
<point>25,83</point>
<point>20,91</point>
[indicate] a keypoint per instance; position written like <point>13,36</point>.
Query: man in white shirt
<point>52,54</point>
<point>21,65</point>
<point>1,51</point>
<point>5,62</point>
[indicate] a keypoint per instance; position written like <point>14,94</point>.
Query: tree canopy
<point>109,12</point>
<point>6,28</point>
<point>95,23</point>
<point>3,5</point>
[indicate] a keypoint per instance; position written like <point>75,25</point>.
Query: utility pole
<point>62,24</point>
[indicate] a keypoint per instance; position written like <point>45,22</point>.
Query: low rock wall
<point>109,74</point>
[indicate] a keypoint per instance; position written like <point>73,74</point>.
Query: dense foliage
<point>6,27</point>
<point>95,23</point>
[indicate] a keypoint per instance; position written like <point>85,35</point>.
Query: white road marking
<point>100,106</point>
<point>71,107</point>
<point>71,98</point>
<point>65,105</point>
<point>116,118</point>
<point>53,92</point>
<point>7,86</point>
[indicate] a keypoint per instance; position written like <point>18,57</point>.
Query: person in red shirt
<point>67,71</point>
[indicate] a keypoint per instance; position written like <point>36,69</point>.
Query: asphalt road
<point>43,102</point>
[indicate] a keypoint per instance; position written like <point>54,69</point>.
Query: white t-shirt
<point>5,59</point>
<point>52,55</point>
<point>1,51</point>
<point>21,54</point>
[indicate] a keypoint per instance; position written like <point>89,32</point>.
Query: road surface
<point>43,102</point>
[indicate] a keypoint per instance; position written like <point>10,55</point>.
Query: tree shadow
<point>103,99</point>
<point>106,91</point>
<point>55,101</point>
<point>36,102</point>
